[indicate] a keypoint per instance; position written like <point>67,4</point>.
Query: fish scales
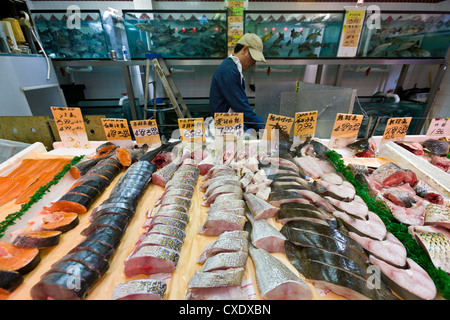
<point>275,280</point>
<point>225,260</point>
<point>438,247</point>
<point>145,289</point>
<point>202,279</point>
<point>161,240</point>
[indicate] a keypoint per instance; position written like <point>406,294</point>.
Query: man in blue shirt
<point>227,91</point>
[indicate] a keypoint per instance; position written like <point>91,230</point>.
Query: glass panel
<point>296,34</point>
<point>181,35</point>
<point>61,41</point>
<point>406,35</point>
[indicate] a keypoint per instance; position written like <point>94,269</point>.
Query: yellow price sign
<point>346,125</point>
<point>396,128</point>
<point>146,131</point>
<point>191,129</point>
<point>116,129</point>
<point>70,125</point>
<point>229,124</point>
<point>285,124</point>
<point>305,123</point>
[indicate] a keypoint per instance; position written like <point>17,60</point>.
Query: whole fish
<point>381,48</point>
<point>313,36</point>
<point>278,40</point>
<point>295,34</point>
<point>407,45</point>
<point>267,37</point>
<point>275,280</point>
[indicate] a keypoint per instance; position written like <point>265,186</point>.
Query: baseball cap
<point>254,44</point>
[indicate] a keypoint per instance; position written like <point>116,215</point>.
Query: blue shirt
<point>228,91</point>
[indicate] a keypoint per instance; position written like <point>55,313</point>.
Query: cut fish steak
<point>373,227</point>
<point>265,236</point>
<point>259,208</point>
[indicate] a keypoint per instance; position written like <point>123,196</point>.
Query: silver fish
<point>155,239</point>
<point>275,280</point>
<point>259,208</point>
<point>168,230</point>
<point>178,200</point>
<point>180,224</point>
<point>225,260</point>
<point>265,236</point>
<point>144,288</point>
<point>220,221</point>
<point>219,183</point>
<point>230,204</point>
<point>157,252</point>
<point>227,285</point>
<point>180,215</point>
<point>223,245</point>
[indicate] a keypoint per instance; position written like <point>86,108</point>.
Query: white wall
<point>109,83</point>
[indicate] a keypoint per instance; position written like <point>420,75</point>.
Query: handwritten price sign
<point>146,131</point>
<point>346,125</point>
<point>305,123</point>
<point>116,129</point>
<point>396,128</point>
<point>439,127</point>
<point>191,129</point>
<point>229,124</point>
<point>285,124</point>
<point>70,124</point>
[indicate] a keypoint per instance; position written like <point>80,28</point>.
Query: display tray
<point>193,245</point>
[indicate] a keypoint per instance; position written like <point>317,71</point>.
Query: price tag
<point>229,124</point>
<point>305,123</point>
<point>439,127</point>
<point>191,129</point>
<point>346,125</point>
<point>272,120</point>
<point>146,131</point>
<point>396,128</point>
<point>70,124</point>
<point>235,4</point>
<point>116,129</point>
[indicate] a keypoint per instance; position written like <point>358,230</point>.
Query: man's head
<point>249,49</point>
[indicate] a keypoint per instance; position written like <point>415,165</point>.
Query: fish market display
<point>61,41</point>
<point>91,256</point>
<point>176,34</point>
<point>407,35</point>
<point>296,34</point>
<point>141,289</point>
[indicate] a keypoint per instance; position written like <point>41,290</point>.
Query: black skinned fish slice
<point>105,250</point>
<point>93,181</point>
<point>88,258</point>
<point>76,269</point>
<point>81,168</point>
<point>107,236</point>
<point>114,221</point>
<point>126,211</point>
<point>60,286</point>
<point>10,280</point>
<point>91,192</point>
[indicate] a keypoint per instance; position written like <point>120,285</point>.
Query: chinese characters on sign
<point>346,125</point>
<point>439,127</point>
<point>191,129</point>
<point>146,131</point>
<point>352,27</point>
<point>70,125</point>
<point>396,128</point>
<point>305,123</point>
<point>285,124</point>
<point>230,123</point>
<point>116,129</point>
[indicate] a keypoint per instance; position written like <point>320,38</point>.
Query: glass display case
<point>296,34</point>
<point>63,38</point>
<point>406,34</point>
<point>177,34</point>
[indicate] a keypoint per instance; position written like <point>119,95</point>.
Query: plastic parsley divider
<point>398,229</point>
<point>11,218</point>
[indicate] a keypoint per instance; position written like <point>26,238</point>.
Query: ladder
<point>171,89</point>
